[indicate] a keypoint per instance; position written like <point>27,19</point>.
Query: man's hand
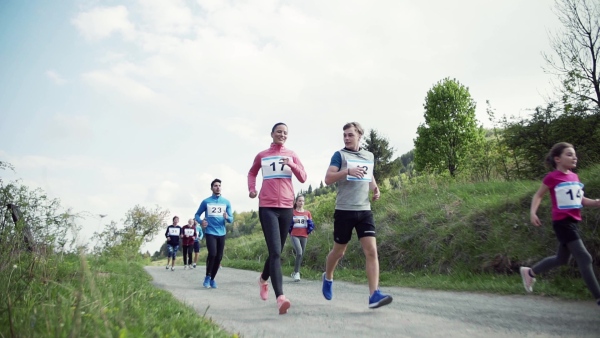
<point>376,194</point>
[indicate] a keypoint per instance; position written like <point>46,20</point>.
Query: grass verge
<point>79,296</point>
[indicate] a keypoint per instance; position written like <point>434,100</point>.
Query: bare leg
<point>369,245</point>
<point>333,258</point>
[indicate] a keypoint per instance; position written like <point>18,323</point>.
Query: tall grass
<point>47,290</point>
<point>74,295</point>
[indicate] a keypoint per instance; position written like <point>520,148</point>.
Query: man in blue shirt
<point>217,211</point>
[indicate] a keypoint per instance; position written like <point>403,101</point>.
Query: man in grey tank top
<point>352,169</point>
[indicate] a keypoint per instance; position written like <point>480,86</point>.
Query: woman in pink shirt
<point>275,206</point>
<point>566,195</point>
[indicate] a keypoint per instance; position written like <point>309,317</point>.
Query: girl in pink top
<point>278,165</point>
<point>566,194</point>
<point>301,226</point>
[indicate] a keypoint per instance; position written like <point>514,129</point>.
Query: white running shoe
<point>296,276</point>
<point>528,281</point>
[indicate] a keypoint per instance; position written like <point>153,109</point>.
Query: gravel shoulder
<point>235,305</point>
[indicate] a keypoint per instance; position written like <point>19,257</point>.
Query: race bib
<point>189,232</point>
<point>569,195</point>
<point>299,221</point>
<point>366,165</point>
<point>273,167</point>
<point>174,231</point>
<point>215,209</point>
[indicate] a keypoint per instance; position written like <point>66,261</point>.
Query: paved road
<point>236,306</point>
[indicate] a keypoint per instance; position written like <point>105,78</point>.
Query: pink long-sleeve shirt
<point>277,190</point>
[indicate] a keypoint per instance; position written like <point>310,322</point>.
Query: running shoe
<point>194,265</point>
<point>263,289</point>
<point>283,304</point>
<point>167,267</point>
<point>296,276</point>
<point>185,267</point>
<point>528,281</point>
<point>172,268</point>
<point>378,299</point>
<point>327,288</point>
<point>213,284</point>
<point>206,283</point>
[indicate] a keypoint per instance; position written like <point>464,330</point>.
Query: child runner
<point>566,195</point>
<point>302,225</point>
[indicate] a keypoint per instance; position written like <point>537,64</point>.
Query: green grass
<point>78,296</point>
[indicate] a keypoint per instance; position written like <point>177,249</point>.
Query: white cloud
<point>101,22</point>
<point>166,16</point>
<point>69,127</point>
<point>55,77</point>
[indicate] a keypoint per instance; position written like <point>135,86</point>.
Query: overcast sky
<point>110,104</point>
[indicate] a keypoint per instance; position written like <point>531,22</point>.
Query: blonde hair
<point>356,125</point>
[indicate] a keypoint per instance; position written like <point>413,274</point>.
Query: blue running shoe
<point>206,283</point>
<point>213,284</point>
<point>378,299</point>
<point>327,288</point>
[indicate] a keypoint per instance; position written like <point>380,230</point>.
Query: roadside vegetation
<point>49,287</point>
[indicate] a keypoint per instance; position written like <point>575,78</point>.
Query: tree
<point>309,189</point>
<point>380,147</point>
<point>139,227</point>
<point>577,51</point>
<point>450,128</point>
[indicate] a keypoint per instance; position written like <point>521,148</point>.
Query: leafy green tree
<point>310,189</point>
<point>450,130</point>
<point>140,226</point>
<point>385,167</point>
<point>577,52</point>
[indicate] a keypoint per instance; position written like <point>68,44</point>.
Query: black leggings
<point>583,259</point>
<point>215,246</point>
<point>187,254</point>
<point>275,223</point>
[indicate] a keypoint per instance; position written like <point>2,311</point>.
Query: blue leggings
<point>275,223</point>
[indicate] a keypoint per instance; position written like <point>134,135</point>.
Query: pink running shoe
<point>283,304</point>
<point>528,281</point>
<point>264,289</point>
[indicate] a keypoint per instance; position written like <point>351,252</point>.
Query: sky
<point>106,105</point>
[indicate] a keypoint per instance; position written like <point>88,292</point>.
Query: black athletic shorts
<point>344,221</point>
<point>566,230</point>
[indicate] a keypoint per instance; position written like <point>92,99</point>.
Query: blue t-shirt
<point>213,209</point>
